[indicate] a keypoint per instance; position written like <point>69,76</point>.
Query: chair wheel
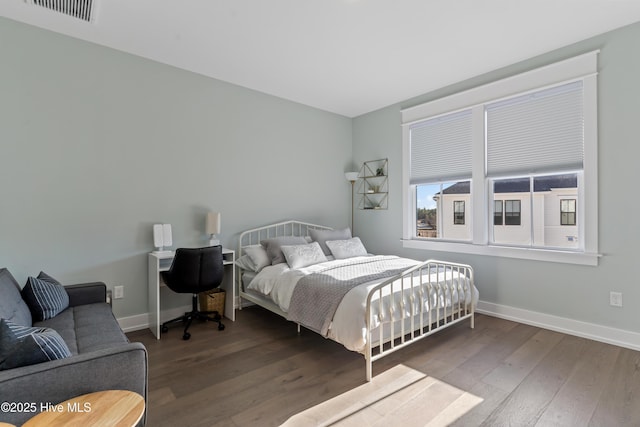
<point>186,336</point>
<point>165,329</point>
<point>220,327</point>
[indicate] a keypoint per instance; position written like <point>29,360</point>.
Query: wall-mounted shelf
<point>373,185</point>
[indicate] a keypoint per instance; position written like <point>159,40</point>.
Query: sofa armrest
<point>122,367</point>
<point>86,293</point>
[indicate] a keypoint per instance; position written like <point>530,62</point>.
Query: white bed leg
<point>473,323</point>
<point>298,328</point>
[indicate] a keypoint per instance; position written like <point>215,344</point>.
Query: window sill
<point>547,255</point>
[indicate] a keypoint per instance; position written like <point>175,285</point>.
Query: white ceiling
<point>345,56</point>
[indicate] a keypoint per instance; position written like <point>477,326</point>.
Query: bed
<point>324,280</point>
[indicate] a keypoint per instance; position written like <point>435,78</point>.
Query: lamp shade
<point>351,176</point>
<point>213,223</point>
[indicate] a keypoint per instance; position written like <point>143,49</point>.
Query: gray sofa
<point>102,358</point>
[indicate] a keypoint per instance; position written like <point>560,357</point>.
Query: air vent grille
<point>80,9</point>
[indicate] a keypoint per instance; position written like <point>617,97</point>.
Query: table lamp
<point>162,237</point>
<point>213,227</point>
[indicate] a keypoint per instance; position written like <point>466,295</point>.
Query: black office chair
<point>193,271</point>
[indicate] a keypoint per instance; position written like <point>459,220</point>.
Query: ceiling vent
<point>80,9</point>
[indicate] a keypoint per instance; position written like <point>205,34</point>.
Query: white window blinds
<point>538,132</point>
<point>440,148</point>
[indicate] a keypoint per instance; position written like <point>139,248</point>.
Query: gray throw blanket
<point>316,297</point>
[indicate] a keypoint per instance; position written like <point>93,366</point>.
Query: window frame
<point>583,67</point>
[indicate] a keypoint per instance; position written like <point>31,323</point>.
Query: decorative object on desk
<point>213,227</point>
<point>352,177</point>
<point>162,237</point>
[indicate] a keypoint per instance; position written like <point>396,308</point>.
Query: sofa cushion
<point>63,324</point>
<point>45,297</point>
<point>24,345</point>
<point>87,327</point>
<point>12,306</point>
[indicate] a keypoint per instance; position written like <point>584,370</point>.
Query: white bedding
<point>349,325</point>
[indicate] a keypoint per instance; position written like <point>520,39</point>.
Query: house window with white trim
<point>498,219</point>
<point>506,162</point>
<point>458,212</point>
<point>512,211</point>
<point>568,212</point>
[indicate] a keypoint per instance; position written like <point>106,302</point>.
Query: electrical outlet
<point>118,292</point>
<point>615,299</point>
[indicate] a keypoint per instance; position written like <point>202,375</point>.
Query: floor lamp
<point>351,177</point>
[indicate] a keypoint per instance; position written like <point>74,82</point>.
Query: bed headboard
<point>286,228</point>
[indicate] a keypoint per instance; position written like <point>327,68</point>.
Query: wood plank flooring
<point>260,372</point>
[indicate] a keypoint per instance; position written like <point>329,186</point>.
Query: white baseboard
<point>578,328</point>
<point>141,321</point>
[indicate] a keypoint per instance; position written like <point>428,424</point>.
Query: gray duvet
<point>316,296</point>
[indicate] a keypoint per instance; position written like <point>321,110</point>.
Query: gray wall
<point>98,145</point>
<point>576,292</point>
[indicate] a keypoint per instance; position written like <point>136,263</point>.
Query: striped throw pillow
<point>45,297</point>
<point>24,345</point>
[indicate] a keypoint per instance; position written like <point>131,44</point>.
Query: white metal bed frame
<point>418,280</point>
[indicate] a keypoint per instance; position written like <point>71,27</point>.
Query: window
<point>512,212</point>
<point>568,212</point>
<point>441,160</point>
<point>531,211</point>
<point>497,213</point>
<point>440,212</point>
<point>520,155</point>
<point>458,212</point>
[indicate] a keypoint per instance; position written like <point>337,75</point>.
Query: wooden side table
<point>109,408</point>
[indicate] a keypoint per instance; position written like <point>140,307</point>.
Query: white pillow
<point>245,263</point>
<point>299,256</point>
<point>321,236</point>
<point>256,258</point>
<point>272,246</point>
<point>348,248</point>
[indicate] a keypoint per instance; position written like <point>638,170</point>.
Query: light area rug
<point>399,396</point>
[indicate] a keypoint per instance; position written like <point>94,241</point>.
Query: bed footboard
<point>430,296</point>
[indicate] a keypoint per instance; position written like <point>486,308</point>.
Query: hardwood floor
<point>260,372</point>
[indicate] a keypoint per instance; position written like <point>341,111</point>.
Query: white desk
<point>162,261</point>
